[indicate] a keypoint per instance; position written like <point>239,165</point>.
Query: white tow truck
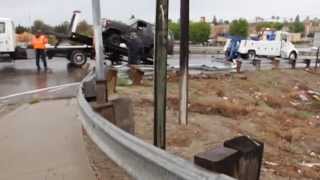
<point>270,44</point>
<point>76,54</point>
<point>8,46</point>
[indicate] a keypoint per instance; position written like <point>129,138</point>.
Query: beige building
<point>294,37</point>
<point>310,27</point>
<point>219,30</point>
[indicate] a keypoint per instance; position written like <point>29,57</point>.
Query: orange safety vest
<point>40,42</point>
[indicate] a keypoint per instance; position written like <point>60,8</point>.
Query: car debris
<point>310,165</point>
<point>303,97</point>
<point>116,33</point>
<point>271,163</point>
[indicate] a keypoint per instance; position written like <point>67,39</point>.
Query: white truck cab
<point>7,36</point>
<point>270,43</point>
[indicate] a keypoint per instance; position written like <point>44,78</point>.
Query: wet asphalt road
<point>21,75</point>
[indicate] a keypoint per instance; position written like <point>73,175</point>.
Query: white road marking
<point>49,89</point>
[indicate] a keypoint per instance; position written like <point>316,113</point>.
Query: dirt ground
<point>280,108</point>
<point>102,166</point>
<point>5,109</point>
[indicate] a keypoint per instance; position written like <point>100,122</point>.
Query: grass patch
<point>302,115</point>
<point>34,101</point>
<point>124,82</point>
<point>220,93</point>
<point>223,108</point>
<point>274,102</point>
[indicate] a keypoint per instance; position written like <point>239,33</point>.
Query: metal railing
<point>140,160</point>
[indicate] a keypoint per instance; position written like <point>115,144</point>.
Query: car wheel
<point>251,55</point>
<point>114,39</point>
<point>227,53</point>
<point>244,56</point>
<point>292,56</point>
<point>150,52</point>
<point>78,58</point>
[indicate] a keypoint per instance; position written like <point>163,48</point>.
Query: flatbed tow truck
<point>78,54</point>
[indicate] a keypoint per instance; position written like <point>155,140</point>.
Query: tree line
<point>82,28</point>
<point>240,27</point>
<point>199,31</point>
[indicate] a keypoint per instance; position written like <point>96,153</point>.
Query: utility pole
<point>101,91</point>
<point>160,80</point>
<point>184,61</point>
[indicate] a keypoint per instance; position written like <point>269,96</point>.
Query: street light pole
<point>160,80</point>
<point>98,44</point>
<point>184,61</point>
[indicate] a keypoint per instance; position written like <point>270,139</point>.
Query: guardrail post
<point>239,64</point>
<point>308,63</point>
<point>240,158</point>
<point>275,63</point>
<point>257,64</point>
<point>251,152</point>
<point>136,75</point>
<point>184,62</point>
<point>112,81</point>
<point>220,160</point>
<point>160,80</point>
<point>293,63</point>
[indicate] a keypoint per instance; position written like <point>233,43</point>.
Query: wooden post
<point>184,62</point>
<point>293,64</point>
<point>220,160</point>
<point>251,156</point>
<point>239,64</point>
<point>275,63</point>
<point>317,60</point>
<point>136,75</point>
<point>257,64</point>
<point>160,80</point>
<point>240,158</point>
<point>307,62</point>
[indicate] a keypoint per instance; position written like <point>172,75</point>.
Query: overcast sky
<point>55,11</point>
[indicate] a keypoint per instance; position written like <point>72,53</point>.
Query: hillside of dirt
<point>280,108</point>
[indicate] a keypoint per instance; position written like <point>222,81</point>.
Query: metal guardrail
<point>142,161</point>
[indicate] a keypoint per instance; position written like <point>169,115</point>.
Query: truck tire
<point>244,56</point>
<point>149,52</point>
<point>114,39</point>
<point>227,53</point>
<point>19,53</point>
<point>251,55</point>
<point>12,56</point>
<point>78,58</point>
<point>293,56</point>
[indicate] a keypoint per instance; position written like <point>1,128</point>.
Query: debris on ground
<point>310,165</point>
<point>280,108</point>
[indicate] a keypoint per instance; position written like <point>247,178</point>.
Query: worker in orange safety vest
<point>39,42</point>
